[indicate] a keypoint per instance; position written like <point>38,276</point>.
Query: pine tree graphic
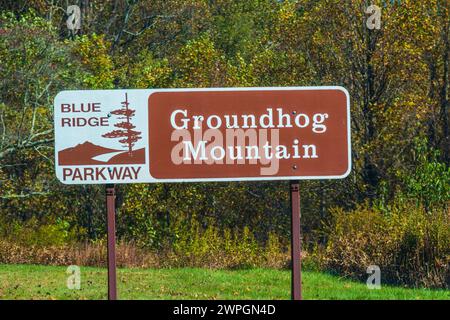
<point>126,127</point>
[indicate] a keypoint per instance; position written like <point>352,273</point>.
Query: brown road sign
<point>231,134</point>
<point>215,134</point>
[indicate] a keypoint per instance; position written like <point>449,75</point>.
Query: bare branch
<point>25,145</point>
<point>25,195</point>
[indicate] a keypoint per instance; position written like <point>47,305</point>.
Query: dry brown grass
<point>129,255</point>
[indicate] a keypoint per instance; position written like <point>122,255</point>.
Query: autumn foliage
<point>397,76</point>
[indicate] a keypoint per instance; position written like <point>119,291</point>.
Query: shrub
<point>411,246</point>
<point>38,233</point>
<point>215,248</point>
<point>429,182</point>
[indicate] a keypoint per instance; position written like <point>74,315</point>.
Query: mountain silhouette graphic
<point>84,154</point>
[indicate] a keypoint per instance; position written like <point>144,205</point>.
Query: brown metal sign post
<point>111,209</point>
<point>296,256</point>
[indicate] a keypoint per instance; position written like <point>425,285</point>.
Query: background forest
<point>392,211</point>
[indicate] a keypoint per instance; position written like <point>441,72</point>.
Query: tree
<point>130,136</point>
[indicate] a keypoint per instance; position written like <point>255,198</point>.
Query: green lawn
<point>44,282</point>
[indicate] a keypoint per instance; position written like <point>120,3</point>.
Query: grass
<point>49,282</point>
